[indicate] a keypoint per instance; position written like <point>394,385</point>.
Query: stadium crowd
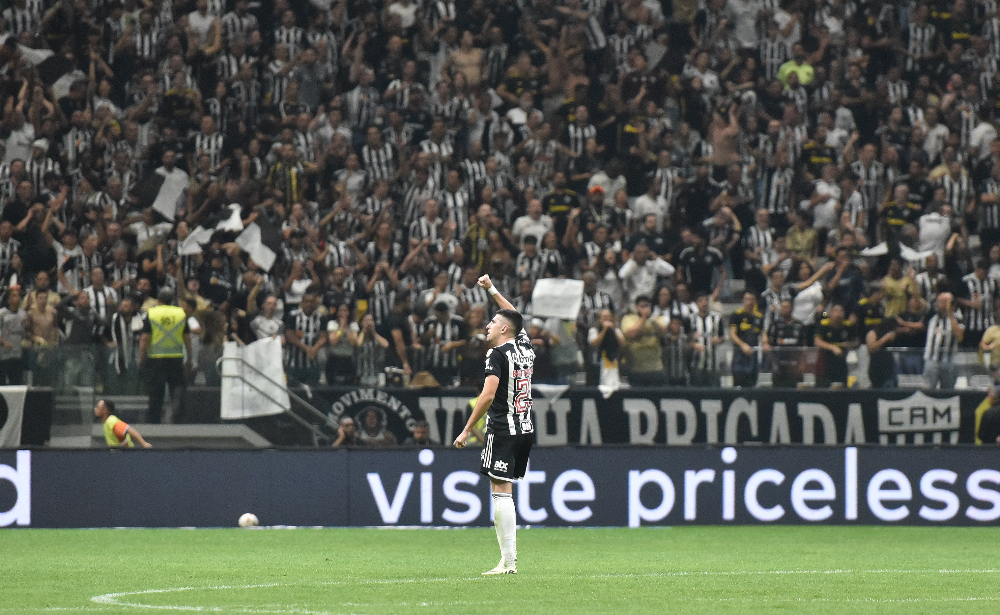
<point>840,157</point>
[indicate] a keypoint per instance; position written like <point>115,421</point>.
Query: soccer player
<point>116,431</point>
<point>509,431</point>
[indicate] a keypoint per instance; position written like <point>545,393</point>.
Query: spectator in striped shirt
<point>305,334</point>
<point>944,333</point>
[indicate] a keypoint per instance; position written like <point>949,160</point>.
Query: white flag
<point>195,240</point>
<point>170,195</point>
<point>557,298</point>
<point>255,384</point>
<point>250,241</point>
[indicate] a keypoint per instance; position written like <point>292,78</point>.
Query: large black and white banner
<point>690,416</point>
<point>565,486</point>
<point>11,415</point>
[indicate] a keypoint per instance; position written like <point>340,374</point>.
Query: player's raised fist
<point>485,282</point>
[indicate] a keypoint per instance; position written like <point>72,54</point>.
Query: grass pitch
<point>619,571</point>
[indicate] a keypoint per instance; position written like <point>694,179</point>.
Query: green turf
<point>619,571</point>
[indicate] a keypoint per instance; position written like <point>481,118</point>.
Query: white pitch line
<point>734,573</point>
<point>117,598</point>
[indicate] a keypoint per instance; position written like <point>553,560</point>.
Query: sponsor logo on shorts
<point>500,466</point>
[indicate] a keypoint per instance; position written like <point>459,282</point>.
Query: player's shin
<point>505,521</point>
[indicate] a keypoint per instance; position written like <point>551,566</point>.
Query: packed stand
<point>838,157</point>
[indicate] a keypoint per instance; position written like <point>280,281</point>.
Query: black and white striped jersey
<point>777,191</point>
<point>211,145</point>
<point>756,238</point>
<point>871,182</point>
<point>772,55</point>
<point>989,212</point>
<point>440,10</point>
<point>277,82</point>
<point>422,228</point>
<point>379,163</point>
<point>915,116</point>
<point>339,254</point>
<point>236,26</point>
<point>215,7</point>
<point>394,255</point>
<point>37,169</point>
<point>703,330</point>
<point>496,59</point>
<point>228,66</point>
<point>982,293</point>
<point>920,41</point>
<point>148,44</point>
<point>477,295</point>
<point>307,328</point>
<point>20,20</point>
<point>957,192</point>
<point>103,303</point>
<point>899,91</point>
<point>123,274</point>
<point>513,363</point>
<point>942,339</point>
<point>292,37</point>
<point>249,94</point>
<point>451,110</point>
<point>854,205</point>
<point>332,50</point>
<point>440,153</point>
<point>591,306</point>
<point>576,136</point>
<point>529,267</point>
<point>381,301</point>
<point>440,332</point>
<point>74,143</point>
<point>415,196</point>
<point>930,286</point>
<point>455,207</point>
<point>374,206</point>
<point>126,340</point>
<point>361,103</point>
<point>474,172</point>
<point>7,251</point>
<point>667,177</point>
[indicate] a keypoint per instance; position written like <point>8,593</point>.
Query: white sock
<point>505,522</point>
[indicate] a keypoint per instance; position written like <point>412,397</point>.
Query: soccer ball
<point>249,520</point>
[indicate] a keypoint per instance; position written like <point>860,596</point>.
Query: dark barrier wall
<point>685,416</point>
<point>607,486</point>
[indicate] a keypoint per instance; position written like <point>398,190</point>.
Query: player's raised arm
<point>485,282</point>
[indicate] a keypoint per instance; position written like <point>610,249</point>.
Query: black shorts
<point>505,457</point>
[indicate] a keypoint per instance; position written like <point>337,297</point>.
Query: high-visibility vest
<point>166,324</point>
<point>115,432</point>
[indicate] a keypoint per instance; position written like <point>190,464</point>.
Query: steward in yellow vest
<point>165,337</point>
<point>116,431</point>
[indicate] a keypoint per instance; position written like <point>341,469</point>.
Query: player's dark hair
<point>110,405</point>
<point>516,320</point>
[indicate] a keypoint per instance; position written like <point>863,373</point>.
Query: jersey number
<point>522,395</point>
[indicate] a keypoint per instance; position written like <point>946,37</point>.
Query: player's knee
<point>501,486</point>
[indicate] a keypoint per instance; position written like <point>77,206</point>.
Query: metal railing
<point>318,435</point>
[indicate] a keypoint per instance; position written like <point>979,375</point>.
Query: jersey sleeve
<point>119,428</point>
<point>494,363</point>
